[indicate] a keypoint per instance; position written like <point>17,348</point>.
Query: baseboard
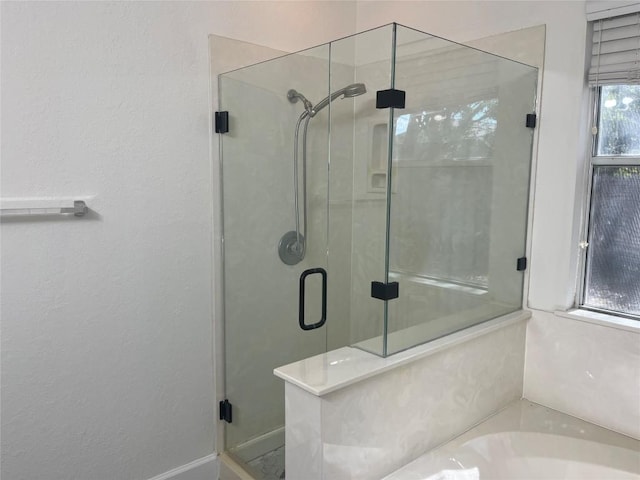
<point>257,447</point>
<point>205,468</point>
<point>232,470</point>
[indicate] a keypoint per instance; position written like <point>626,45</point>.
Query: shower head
<point>354,90</point>
<point>349,91</point>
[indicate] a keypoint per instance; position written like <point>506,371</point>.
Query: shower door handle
<point>303,278</point>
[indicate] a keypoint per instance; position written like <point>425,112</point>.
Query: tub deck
<point>527,441</point>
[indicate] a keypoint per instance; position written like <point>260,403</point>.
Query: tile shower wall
<point>373,427</point>
<point>586,370</point>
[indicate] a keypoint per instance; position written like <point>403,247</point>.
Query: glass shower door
<point>273,263</point>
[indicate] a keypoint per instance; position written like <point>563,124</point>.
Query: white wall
<point>106,321</point>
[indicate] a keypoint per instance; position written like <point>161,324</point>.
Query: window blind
<point>597,9</point>
<point>615,54</point>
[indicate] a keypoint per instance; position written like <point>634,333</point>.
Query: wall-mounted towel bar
<point>79,209</point>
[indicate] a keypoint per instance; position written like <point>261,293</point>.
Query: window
<point>612,264</point>
<point>611,280</point>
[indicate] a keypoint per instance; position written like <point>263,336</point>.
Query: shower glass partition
<point>461,167</point>
<point>324,193</point>
<point>287,168</point>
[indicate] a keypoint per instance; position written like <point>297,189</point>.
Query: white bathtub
<point>528,441</point>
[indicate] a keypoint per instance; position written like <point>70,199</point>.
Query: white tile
<point>303,446</point>
<point>373,427</point>
<point>587,370</point>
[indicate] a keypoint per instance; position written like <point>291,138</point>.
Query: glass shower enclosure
<point>375,195</point>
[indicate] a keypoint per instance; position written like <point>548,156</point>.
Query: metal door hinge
<point>385,291</point>
<point>521,264</point>
<point>531,120</point>
<point>221,122</point>
<point>391,98</point>
<point>226,411</point>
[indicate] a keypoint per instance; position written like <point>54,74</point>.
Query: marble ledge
<point>596,318</point>
<point>331,371</point>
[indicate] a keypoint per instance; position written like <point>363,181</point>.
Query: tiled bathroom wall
<point>586,370</point>
<point>373,427</point>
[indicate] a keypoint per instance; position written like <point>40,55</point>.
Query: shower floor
<point>269,466</point>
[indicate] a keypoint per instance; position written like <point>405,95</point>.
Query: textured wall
<point>106,321</point>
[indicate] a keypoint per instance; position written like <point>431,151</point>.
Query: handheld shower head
<point>354,90</point>
<point>349,91</point>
